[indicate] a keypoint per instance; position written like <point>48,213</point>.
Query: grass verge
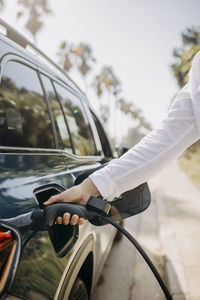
<point>190,163</point>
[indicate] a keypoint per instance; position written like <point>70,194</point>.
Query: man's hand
<point>79,193</point>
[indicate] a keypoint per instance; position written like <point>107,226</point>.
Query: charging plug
<point>98,205</point>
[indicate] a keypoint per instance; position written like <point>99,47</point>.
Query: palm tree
<point>79,56</point>
<point>106,81</point>
<point>105,112</point>
<point>35,9</point>
<point>128,108</point>
<point>125,107</point>
<point>84,59</point>
<point>64,54</point>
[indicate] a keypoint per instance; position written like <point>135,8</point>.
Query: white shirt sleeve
<point>155,151</point>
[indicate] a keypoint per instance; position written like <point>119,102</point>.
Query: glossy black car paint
<point>40,274</point>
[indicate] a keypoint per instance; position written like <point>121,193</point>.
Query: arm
<point>153,153</point>
<point>179,130</point>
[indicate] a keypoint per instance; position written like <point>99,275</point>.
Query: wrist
<point>90,188</point>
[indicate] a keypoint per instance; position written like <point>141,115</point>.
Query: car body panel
<point>40,274</point>
<point>21,173</point>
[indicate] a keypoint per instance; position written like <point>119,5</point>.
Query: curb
<point>174,271</point>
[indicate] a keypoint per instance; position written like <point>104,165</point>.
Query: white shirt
<point>179,129</point>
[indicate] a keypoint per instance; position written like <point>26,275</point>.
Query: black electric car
<point>48,133</point>
<point>49,136</point>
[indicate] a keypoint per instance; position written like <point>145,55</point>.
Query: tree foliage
<point>105,112</point>
<point>106,80</point>
<point>79,56</point>
<point>2,4</point>
<point>35,9</point>
<point>184,55</point>
<point>128,108</point>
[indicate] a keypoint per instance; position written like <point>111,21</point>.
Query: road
<point>169,230</point>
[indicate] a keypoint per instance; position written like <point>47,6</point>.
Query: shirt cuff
<point>105,185</point>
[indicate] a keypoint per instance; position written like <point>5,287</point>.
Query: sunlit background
<point>130,57</point>
<point>119,52</point>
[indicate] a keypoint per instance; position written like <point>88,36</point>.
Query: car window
<point>61,127</point>
<point>24,118</point>
<point>103,138</point>
<point>79,127</point>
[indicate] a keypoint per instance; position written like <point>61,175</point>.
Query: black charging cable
<point>95,211</point>
<point>95,208</point>
<point>101,210</point>
<point>142,252</point>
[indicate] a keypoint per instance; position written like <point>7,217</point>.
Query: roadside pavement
<point>178,203</point>
<point>126,276</point>
<point>169,231</point>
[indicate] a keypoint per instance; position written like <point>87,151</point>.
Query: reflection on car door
<point>84,144</point>
<point>29,159</point>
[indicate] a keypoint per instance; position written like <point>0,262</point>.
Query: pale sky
<point>135,37</point>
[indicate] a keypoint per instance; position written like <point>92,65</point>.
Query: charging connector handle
<point>93,206</point>
<point>55,210</point>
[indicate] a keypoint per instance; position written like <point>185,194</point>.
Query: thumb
<point>53,199</point>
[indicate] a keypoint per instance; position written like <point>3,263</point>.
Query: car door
<point>84,147</point>
<point>29,157</point>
